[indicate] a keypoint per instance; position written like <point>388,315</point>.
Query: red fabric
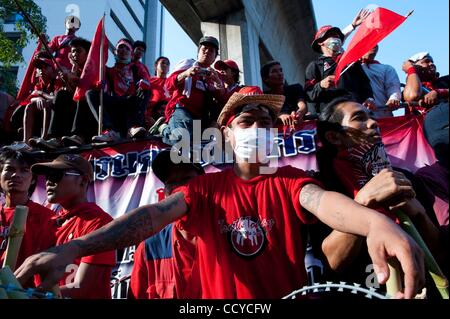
<point>39,233</point>
<point>435,179</point>
<point>375,28</point>
<point>159,94</point>
<point>166,278</point>
<point>91,71</point>
<point>29,77</point>
<point>81,220</point>
<point>45,87</point>
<point>196,101</point>
<point>352,178</point>
<point>62,56</point>
<point>121,77</point>
<point>248,232</point>
<point>411,70</point>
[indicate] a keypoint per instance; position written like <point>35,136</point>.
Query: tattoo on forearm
<point>127,230</point>
<point>310,197</point>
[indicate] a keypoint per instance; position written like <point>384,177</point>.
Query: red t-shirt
<point>121,80</point>
<point>82,220</point>
<point>166,271</point>
<point>39,233</point>
<point>196,101</point>
<point>60,45</point>
<point>248,232</point>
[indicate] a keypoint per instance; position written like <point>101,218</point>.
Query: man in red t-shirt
<point>59,45</point>
<point>247,219</point>
<point>18,183</point>
<point>67,179</point>
<point>193,87</point>
<point>164,264</point>
<point>353,161</point>
<point>126,97</point>
<point>423,84</point>
<point>160,95</point>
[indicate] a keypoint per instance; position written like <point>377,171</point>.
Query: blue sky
<point>427,29</point>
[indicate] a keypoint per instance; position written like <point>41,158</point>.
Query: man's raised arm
<point>129,229</point>
<point>385,239</point>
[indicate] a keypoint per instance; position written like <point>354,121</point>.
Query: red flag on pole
<point>379,24</point>
<point>28,78</point>
<point>91,71</point>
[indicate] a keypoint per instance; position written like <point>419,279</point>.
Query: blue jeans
<point>181,118</point>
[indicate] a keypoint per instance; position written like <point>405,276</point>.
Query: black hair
<point>23,158</point>
<point>265,69</point>
<point>80,42</point>
<point>330,119</point>
<point>158,59</point>
<point>235,75</point>
<point>140,44</point>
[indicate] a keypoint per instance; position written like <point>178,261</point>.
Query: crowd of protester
<point>186,259</point>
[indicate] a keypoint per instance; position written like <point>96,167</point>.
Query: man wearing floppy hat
<point>195,88</point>
<point>67,180</point>
<point>164,263</point>
<point>423,83</point>
<point>126,99</point>
<point>248,224</point>
<point>319,76</point>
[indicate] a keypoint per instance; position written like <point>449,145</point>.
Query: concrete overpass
<point>252,32</point>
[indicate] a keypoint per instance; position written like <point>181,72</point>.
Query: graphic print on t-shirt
<point>247,235</point>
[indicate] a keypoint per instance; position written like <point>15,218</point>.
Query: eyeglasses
<point>56,176</point>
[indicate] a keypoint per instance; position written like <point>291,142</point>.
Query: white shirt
<point>384,82</point>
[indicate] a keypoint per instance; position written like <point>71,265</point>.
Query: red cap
<point>221,65</point>
<point>250,90</point>
<point>322,33</point>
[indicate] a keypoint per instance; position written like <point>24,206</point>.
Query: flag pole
<point>102,62</point>
<point>409,13</point>
<point>348,67</point>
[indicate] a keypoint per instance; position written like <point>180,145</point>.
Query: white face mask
<point>253,144</point>
<point>334,44</point>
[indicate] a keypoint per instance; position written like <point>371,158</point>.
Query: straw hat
<point>250,95</point>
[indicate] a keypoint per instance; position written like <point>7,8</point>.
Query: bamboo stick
<point>394,282</point>
<point>436,273</point>
<point>16,231</point>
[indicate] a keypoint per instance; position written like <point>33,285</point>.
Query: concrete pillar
<point>153,32</point>
<point>238,41</point>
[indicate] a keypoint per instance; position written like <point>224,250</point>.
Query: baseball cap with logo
<point>322,33</point>
<point>209,40</point>
<point>65,162</point>
<point>225,64</point>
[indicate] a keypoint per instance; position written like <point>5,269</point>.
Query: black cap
<point>209,40</point>
<point>162,164</point>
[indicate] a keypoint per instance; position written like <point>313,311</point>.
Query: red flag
<point>91,71</point>
<point>28,78</point>
<point>379,24</point>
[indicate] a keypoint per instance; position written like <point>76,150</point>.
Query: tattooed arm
<point>384,238</point>
<point>127,230</point>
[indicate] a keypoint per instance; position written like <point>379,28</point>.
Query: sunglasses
<point>56,176</point>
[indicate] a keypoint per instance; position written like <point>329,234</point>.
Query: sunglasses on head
<point>57,175</point>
